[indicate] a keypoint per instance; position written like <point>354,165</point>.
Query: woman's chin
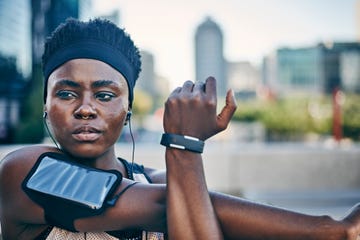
<point>85,152</point>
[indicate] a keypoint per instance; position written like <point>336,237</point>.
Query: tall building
<point>113,16</point>
<point>209,57</point>
<point>15,33</point>
<point>350,71</point>
<point>242,76</point>
<point>150,82</point>
<point>332,53</point>
<point>316,69</point>
<point>146,79</point>
<point>15,62</point>
<point>59,11</point>
<point>299,70</point>
<point>86,10</point>
<point>357,19</point>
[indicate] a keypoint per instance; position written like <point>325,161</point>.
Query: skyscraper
<point>15,33</point>
<point>209,57</point>
<point>357,19</point>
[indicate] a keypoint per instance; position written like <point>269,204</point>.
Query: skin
<point>187,195</point>
<point>77,106</point>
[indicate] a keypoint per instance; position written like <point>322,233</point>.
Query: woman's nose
<point>85,111</point>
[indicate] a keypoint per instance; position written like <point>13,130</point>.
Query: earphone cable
<point>133,149</point>
<point>50,135</point>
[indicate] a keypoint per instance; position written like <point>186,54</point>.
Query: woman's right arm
<point>141,206</point>
<point>144,206</point>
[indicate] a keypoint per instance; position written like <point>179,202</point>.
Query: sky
<point>251,28</point>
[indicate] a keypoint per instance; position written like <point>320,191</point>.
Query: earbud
<point>128,116</point>
<point>45,114</point>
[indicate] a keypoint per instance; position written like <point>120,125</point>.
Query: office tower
<point>15,33</point>
<point>317,69</point>
<point>243,78</point>
<point>350,71</point>
<point>59,11</point>
<point>357,19</point>
<point>15,62</point>
<point>150,82</point>
<point>299,70</point>
<point>146,79</point>
<point>209,58</point>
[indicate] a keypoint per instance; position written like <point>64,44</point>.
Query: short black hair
<point>102,30</point>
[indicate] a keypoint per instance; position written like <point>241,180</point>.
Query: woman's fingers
<point>228,110</point>
<point>191,109</point>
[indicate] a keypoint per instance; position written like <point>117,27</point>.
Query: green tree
<point>351,117</point>
<point>142,105</point>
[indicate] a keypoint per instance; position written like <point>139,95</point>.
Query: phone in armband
<point>67,190</point>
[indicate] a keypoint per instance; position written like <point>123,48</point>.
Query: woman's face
<point>87,103</point>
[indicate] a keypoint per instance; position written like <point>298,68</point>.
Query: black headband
<point>92,49</point>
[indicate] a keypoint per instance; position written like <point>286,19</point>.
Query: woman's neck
<point>105,161</point>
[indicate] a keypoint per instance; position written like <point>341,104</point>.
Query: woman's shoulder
<point>23,159</point>
<point>16,209</point>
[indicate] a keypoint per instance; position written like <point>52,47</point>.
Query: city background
<point>294,140</point>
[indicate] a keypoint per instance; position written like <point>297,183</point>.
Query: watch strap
<point>182,142</point>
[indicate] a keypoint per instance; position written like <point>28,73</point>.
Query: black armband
<point>182,142</point>
<point>68,191</point>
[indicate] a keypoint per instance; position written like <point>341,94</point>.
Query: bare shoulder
<point>16,164</point>
<point>15,207</point>
<point>26,154</point>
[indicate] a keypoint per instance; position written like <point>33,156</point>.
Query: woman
<point>90,71</point>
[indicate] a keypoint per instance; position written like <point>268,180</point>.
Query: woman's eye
<point>105,96</point>
<point>66,95</point>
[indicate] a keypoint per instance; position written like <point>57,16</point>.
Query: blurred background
<point>294,67</point>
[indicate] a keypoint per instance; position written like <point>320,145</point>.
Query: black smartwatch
<point>182,142</point>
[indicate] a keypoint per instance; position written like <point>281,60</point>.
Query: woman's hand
<point>191,110</point>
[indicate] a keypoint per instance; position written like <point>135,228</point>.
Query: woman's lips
<point>86,134</point>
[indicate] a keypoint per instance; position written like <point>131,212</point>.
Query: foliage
<point>142,104</point>
<point>286,118</point>
<point>351,117</point>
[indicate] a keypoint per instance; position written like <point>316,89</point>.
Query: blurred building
<point>59,11</point>
<point>113,17</point>
<point>350,71</point>
<point>299,70</point>
<point>357,19</point>
<point>15,62</point>
<point>316,69</point>
<point>333,55</point>
<point>209,57</point>
<point>243,78</point>
<point>12,86</point>
<point>146,79</point>
<point>86,9</point>
<point>156,86</point>
<point>15,33</point>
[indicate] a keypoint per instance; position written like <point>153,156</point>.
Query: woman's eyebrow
<point>68,83</point>
<point>103,83</point>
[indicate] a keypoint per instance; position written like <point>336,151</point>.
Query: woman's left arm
<point>191,111</point>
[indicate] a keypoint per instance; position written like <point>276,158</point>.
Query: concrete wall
<point>244,167</point>
<point>268,167</point>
